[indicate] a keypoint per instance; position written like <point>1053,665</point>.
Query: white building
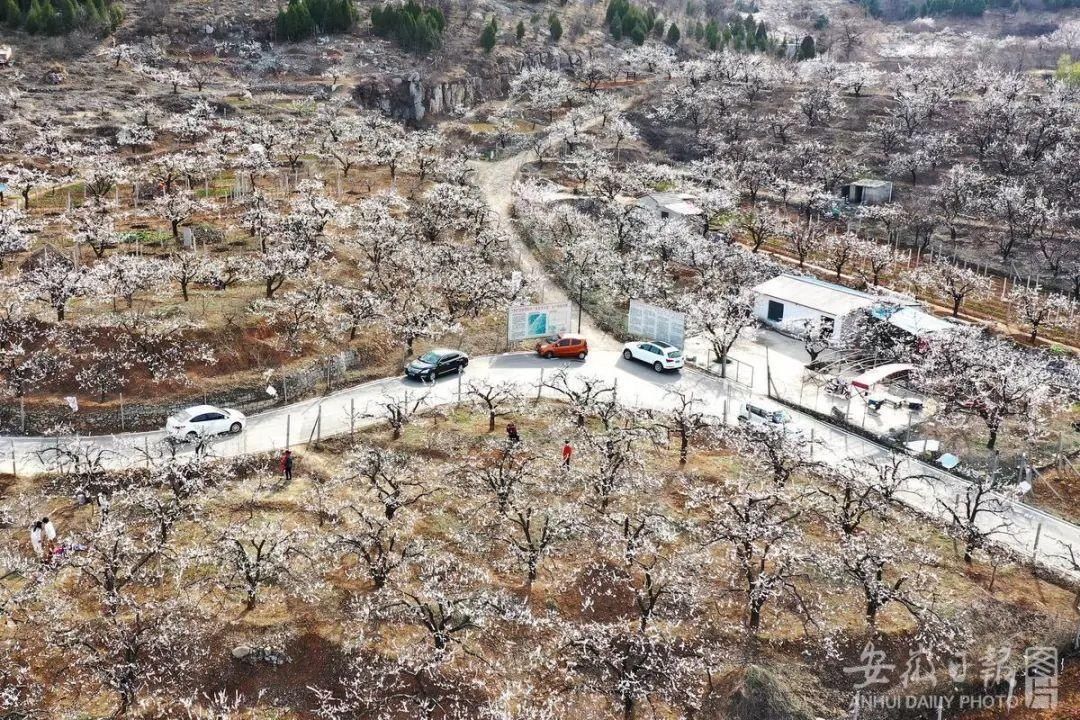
<point>787,299</point>
<point>670,205</point>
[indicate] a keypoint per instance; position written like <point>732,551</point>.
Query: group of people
<point>43,539</point>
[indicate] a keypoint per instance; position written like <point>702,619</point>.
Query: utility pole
<point>580,297</point>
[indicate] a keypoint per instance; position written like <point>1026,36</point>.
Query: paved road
<point>637,386</point>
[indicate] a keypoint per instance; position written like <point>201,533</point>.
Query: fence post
<point>121,412</point>
<point>352,416</point>
<point>318,426</point>
<point>288,429</point>
<point>811,443</point>
<point>460,372</point>
<point>14,465</point>
<point>146,449</point>
<point>1035,547</point>
<point>540,385</point>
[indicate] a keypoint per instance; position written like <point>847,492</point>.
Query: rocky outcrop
<point>414,97</point>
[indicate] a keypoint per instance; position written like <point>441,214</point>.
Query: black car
<point>436,362</point>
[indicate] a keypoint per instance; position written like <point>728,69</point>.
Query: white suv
<point>202,421</point>
<point>660,355</point>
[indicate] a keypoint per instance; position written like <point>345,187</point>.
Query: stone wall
<point>413,97</point>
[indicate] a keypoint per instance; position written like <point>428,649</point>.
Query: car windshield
<point>675,354</point>
<point>430,358</point>
<point>779,416</point>
<point>552,339</point>
<point>183,415</point>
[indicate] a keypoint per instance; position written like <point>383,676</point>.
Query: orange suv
<point>564,345</point>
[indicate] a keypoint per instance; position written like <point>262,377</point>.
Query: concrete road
<point>1030,531</point>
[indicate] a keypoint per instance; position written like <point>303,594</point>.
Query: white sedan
<point>203,421</point>
<point>660,355</point>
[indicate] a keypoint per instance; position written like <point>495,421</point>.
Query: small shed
<point>867,191</point>
<point>670,205</point>
<point>788,299</point>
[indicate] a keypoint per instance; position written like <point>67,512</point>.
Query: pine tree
<point>554,28</point>
<point>12,14</point>
<point>712,35</point>
<point>807,51</point>
<point>489,35</point>
<point>34,23</point>
<point>616,28</point>
<point>673,35</point>
<point>69,15</point>
<point>520,31</point>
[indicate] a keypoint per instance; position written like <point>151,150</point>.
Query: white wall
<point>792,312</point>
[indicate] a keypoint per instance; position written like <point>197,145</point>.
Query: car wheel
<point>192,436</point>
<point>465,363</point>
<point>549,355</point>
<point>431,376</point>
<point>581,355</point>
<point>657,366</point>
<point>627,355</point>
<point>235,428</point>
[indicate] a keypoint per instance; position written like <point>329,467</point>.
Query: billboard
<point>534,321</point>
<point>656,323</point>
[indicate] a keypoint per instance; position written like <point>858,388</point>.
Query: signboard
<point>656,323</point>
<point>534,321</point>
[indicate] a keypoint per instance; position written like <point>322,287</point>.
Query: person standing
<point>37,535</point>
<point>50,535</point>
<point>512,433</point>
<point>567,453</point>
<point>287,465</point>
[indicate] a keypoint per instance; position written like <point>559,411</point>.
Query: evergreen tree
<point>673,35</point>
<point>658,27</point>
<point>712,35</point>
<point>12,14</point>
<point>554,27</point>
<point>615,27</point>
<point>638,34</point>
<point>489,35</point>
<point>520,31</point>
<point>807,51</point>
<point>761,36</point>
<point>34,23</point>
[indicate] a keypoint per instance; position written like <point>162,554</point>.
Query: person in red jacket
<point>287,465</point>
<point>567,453</point>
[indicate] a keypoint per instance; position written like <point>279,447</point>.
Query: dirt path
<point>496,180</point>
